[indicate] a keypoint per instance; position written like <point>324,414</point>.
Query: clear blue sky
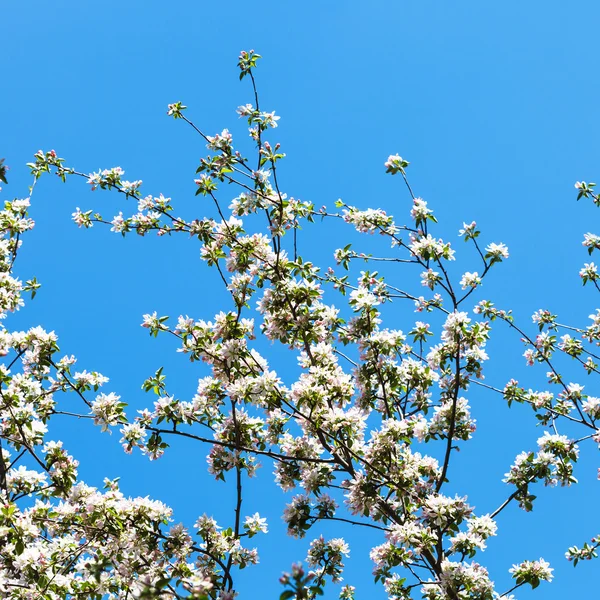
<point>494,104</point>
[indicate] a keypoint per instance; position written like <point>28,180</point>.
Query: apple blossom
<point>362,429</point>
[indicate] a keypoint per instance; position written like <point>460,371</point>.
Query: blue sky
<point>494,104</point>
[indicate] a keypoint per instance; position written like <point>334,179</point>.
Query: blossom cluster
<point>362,428</point>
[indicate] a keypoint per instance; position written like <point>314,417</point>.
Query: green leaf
<point>3,169</point>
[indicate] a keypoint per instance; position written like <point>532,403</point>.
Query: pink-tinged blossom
<point>589,272</point>
<point>119,224</point>
<point>468,230</point>
<point>591,406</point>
<point>461,575</point>
<point>362,298</point>
<point>414,536</point>
<point>483,526</point>
<point>133,435</point>
<point>370,220</point>
<point>532,572</point>
<point>427,247</point>
<point>591,241</point>
<point>245,110</point>
<point>221,141</point>
<point>430,278</point>
<point>326,557</point>
<point>420,212</point>
<point>255,524</point>
<point>496,252</point>
<point>107,410</point>
<point>270,119</point>
<point>442,511</point>
<point>395,164</point>
<point>90,379</point>
<point>469,280</point>
<point>106,178</point>
<point>82,219</point>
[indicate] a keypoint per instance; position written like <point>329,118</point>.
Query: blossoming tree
<point>364,435</point>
